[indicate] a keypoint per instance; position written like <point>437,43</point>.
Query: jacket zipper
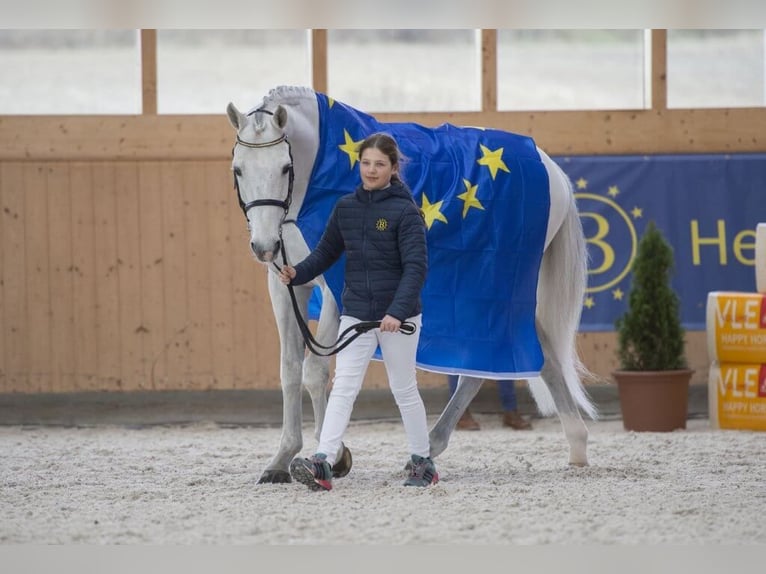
<point>367,209</point>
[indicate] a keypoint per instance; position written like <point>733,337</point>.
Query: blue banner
<point>707,207</point>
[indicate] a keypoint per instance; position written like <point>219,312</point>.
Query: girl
<point>383,233</point>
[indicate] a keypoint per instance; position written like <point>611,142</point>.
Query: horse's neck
<point>303,134</point>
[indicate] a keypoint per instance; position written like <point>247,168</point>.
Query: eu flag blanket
<point>484,195</point>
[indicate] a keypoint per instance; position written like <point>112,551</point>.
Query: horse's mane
<point>287,95</point>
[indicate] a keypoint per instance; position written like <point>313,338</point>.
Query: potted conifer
<point>653,380</point>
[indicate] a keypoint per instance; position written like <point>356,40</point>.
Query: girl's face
<point>376,169</point>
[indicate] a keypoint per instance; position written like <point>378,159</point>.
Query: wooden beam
<point>319,60</point>
<point>489,70</point>
<point>659,70</point>
<point>730,130</point>
<point>149,71</point>
<point>726,130</point>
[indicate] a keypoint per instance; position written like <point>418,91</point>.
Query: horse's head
<point>263,175</point>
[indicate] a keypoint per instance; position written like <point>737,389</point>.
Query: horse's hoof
<point>275,477</point>
<point>342,466</point>
<point>578,464</point>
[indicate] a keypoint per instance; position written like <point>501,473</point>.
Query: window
<point>405,70</point>
<point>200,71</point>
<point>716,68</point>
<point>570,69</point>
<point>70,72</point>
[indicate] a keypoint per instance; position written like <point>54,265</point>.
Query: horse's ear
<point>236,118</point>
<point>280,117</point>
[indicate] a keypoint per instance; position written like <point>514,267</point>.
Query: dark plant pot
<point>653,401</point>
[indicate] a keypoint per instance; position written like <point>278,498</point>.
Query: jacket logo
<point>381,224</point>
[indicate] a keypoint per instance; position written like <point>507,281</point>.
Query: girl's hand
<point>286,274</point>
<point>390,324</point>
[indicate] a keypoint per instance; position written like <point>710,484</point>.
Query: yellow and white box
<point>736,327</point>
<point>737,396</point>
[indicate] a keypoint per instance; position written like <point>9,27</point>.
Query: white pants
<point>351,364</point>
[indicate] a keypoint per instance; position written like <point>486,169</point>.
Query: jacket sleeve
<point>414,258</point>
<point>327,252</point>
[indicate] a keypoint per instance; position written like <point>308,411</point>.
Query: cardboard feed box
<point>736,340</point>
<point>737,396</point>
<point>736,327</point>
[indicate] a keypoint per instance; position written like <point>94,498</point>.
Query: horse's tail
<point>561,289</point>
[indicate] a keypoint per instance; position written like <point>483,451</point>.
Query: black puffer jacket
<point>384,237</point>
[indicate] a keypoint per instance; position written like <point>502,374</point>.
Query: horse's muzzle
<point>265,255</point>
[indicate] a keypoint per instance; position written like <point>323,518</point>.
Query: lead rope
<point>315,346</point>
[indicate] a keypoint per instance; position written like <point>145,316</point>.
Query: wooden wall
<point>124,262</point>
<point>127,275</point>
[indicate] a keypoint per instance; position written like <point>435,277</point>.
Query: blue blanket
<point>485,197</point>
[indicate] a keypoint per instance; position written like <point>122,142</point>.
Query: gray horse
<point>273,158</point>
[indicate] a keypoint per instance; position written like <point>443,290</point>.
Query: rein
<point>311,343</point>
<point>323,350</point>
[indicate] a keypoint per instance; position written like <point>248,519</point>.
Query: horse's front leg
<point>467,388</point>
<point>290,372</point>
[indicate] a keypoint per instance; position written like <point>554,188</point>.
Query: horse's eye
<point>286,169</point>
<point>237,171</point>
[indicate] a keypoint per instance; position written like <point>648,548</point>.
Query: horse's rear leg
<point>560,290</point>
<point>554,375</point>
<point>466,391</point>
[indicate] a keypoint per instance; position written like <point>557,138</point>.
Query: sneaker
<point>314,472</point>
<point>422,472</point>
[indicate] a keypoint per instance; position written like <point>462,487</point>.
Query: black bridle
<point>311,343</point>
<point>284,204</point>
